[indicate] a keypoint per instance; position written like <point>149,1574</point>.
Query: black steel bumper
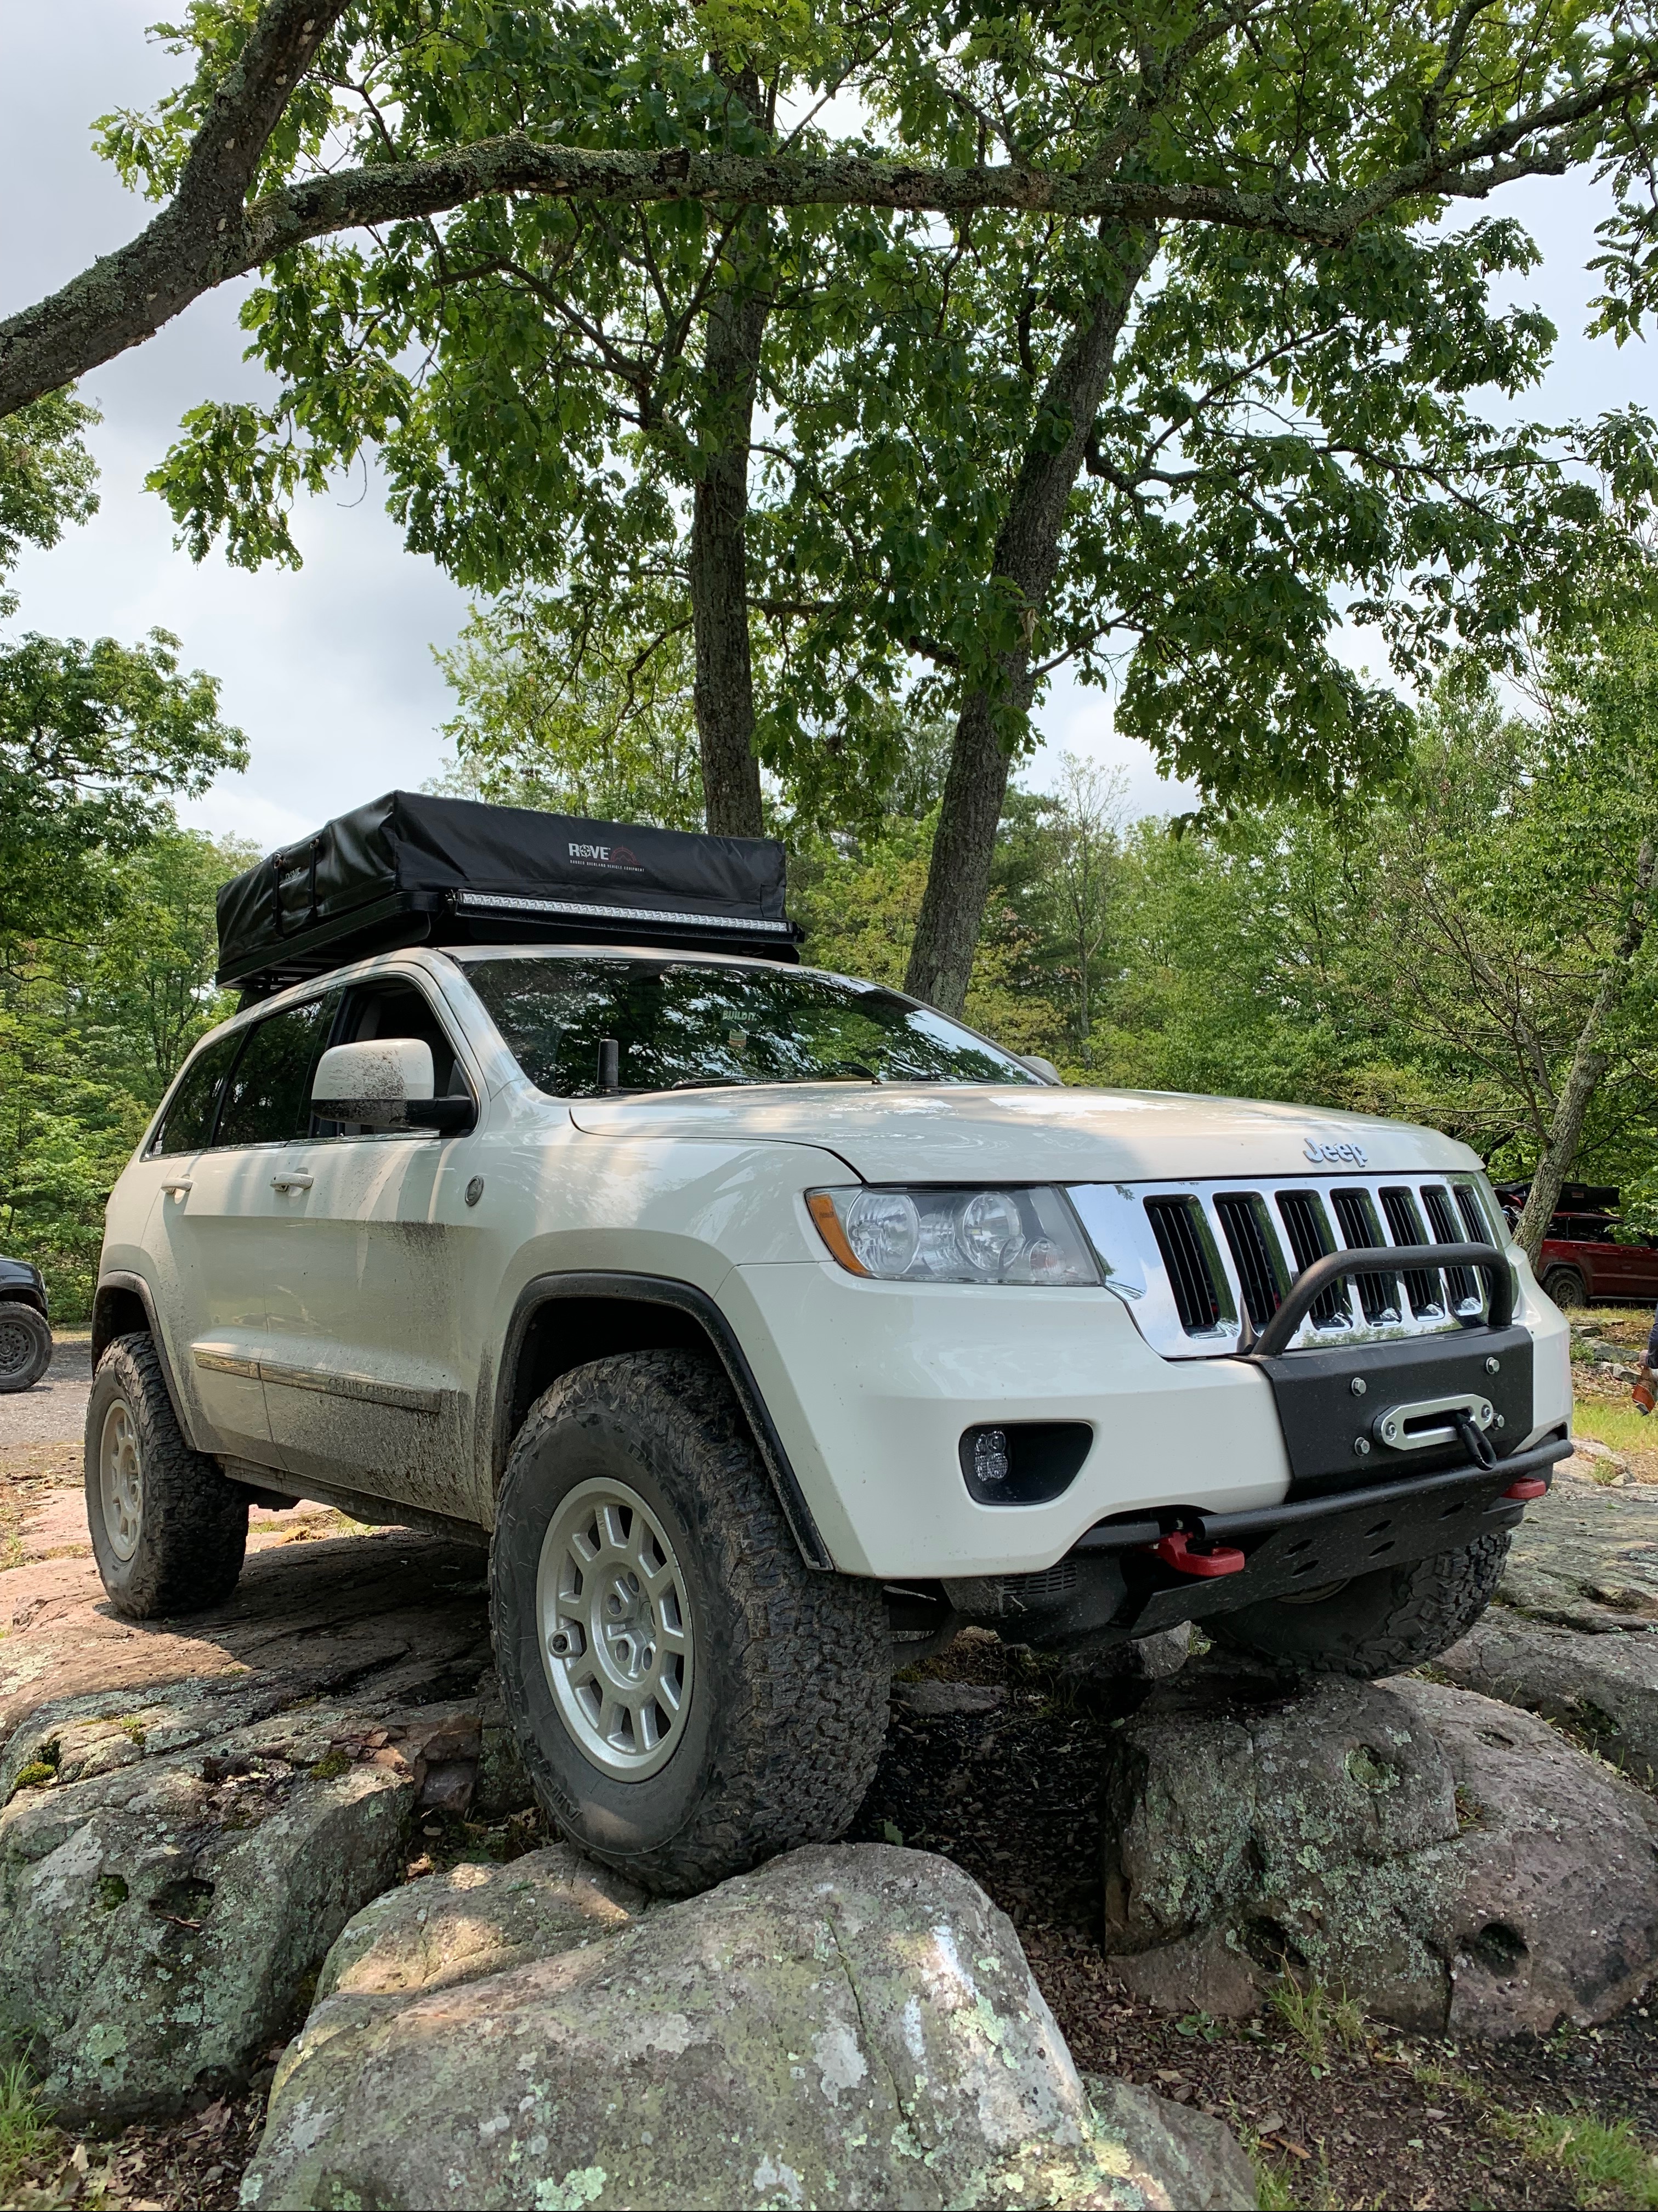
<point>1302,1544</point>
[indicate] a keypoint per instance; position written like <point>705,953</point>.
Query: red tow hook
<point>1175,1551</point>
<point>1527,1487</point>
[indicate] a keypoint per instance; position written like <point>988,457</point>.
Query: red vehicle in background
<point>1582,1262</point>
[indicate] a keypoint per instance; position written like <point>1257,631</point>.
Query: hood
<point>930,1132</point>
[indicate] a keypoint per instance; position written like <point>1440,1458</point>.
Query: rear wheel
<point>168,1532</point>
<point>1566,1287</point>
<point>1377,1624</point>
<point>25,1346</point>
<point>688,1697</point>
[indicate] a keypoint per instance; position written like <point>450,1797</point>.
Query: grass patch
<point>1606,2164</point>
<point>1282,2185</point>
<point>1618,1425</point>
<point>1318,2018</point>
<point>26,2136</point>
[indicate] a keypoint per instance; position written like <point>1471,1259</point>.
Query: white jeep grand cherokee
<point>769,1322</point>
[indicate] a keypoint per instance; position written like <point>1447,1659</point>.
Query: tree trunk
<point>719,564</point>
<point>1589,1061</point>
<point>1027,552</point>
<point>719,569</point>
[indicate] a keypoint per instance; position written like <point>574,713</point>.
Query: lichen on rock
<point>1455,1865</point>
<point>851,2026</point>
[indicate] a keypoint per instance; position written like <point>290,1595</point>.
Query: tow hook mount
<point>1176,1550</point>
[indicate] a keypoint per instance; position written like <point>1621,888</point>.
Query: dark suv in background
<point>1582,1261</point>
<point>25,1330</point>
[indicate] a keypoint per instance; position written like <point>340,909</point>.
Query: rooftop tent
<point>410,869</point>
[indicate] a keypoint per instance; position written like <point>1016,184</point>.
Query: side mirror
<point>384,1083</point>
<point>1038,1065</point>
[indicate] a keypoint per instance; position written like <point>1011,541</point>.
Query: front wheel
<point>1566,1287</point>
<point>168,1532</point>
<point>1383,1623</point>
<point>25,1346</point>
<point>688,1697</point>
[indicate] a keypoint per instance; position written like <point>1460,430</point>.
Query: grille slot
<point>1249,1233</point>
<point>1309,1229</point>
<point>1405,1227</point>
<point>1378,1295</point>
<point>1174,1224</point>
<point>1473,1216</point>
<point>1448,1229</point>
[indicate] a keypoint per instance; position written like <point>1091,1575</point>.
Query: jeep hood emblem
<point>1343,1154</point>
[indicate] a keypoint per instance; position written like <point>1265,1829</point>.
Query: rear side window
<point>187,1118</point>
<point>267,1100</point>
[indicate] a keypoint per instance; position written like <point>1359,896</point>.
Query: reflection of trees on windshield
<point>677,1025</point>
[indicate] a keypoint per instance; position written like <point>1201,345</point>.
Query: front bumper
<point>870,1386</point>
<point>1116,1583</point>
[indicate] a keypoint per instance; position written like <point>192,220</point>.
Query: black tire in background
<point>1377,1624</point>
<point>25,1346</point>
<point>168,1531</point>
<point>1566,1287</point>
<point>786,1671</point>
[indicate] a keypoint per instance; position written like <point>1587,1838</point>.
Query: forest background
<point>790,458</point>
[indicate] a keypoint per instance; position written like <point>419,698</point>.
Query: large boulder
<point>1586,1557</point>
<point>1453,1864</point>
<point>1604,1687</point>
<point>174,1871</point>
<point>853,2026</point>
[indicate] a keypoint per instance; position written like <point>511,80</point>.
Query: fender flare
<point>664,1291</point>
<point>120,1280</point>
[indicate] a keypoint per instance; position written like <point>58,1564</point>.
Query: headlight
<point>954,1235</point>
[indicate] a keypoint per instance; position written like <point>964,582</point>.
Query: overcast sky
<point>330,670</point>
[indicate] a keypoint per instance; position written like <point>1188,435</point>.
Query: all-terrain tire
<point>25,1346</point>
<point>1378,1624</point>
<point>1566,1287</point>
<point>786,1714</point>
<point>168,1531</point>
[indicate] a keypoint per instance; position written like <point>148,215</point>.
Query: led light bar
<point>747,925</point>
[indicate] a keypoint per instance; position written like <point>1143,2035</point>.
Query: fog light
<point>990,1460</point>
<point>1022,1462</point>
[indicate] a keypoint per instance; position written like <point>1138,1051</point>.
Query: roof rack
<point>412,869</point>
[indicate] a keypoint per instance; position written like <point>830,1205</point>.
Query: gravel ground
<point>55,1410</point>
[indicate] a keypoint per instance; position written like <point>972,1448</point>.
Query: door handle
<point>292,1181</point>
<point>180,1186</point>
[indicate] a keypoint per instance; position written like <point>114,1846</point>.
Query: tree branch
<point>208,235</point>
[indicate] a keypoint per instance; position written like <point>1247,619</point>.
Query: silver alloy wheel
<point>121,1480</point>
<point>614,1628</point>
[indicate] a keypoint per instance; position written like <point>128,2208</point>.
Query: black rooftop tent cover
<point>410,869</point>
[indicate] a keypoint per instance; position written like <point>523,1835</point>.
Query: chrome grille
<point>1188,1258</point>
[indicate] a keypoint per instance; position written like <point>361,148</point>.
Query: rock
<point>1586,1557</point>
<point>1198,2158</point>
<point>1453,1865</point>
<point>853,2026</point>
<point>1106,1680</point>
<point>1209,1971</point>
<point>931,1700</point>
<point>1598,1463</point>
<point>460,1926</point>
<point>164,1902</point>
<point>1603,1687</point>
<point>397,1614</point>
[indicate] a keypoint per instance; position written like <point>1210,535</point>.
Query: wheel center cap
<point>627,1624</point>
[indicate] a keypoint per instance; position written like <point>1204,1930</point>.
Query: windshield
<point>679,1024</point>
